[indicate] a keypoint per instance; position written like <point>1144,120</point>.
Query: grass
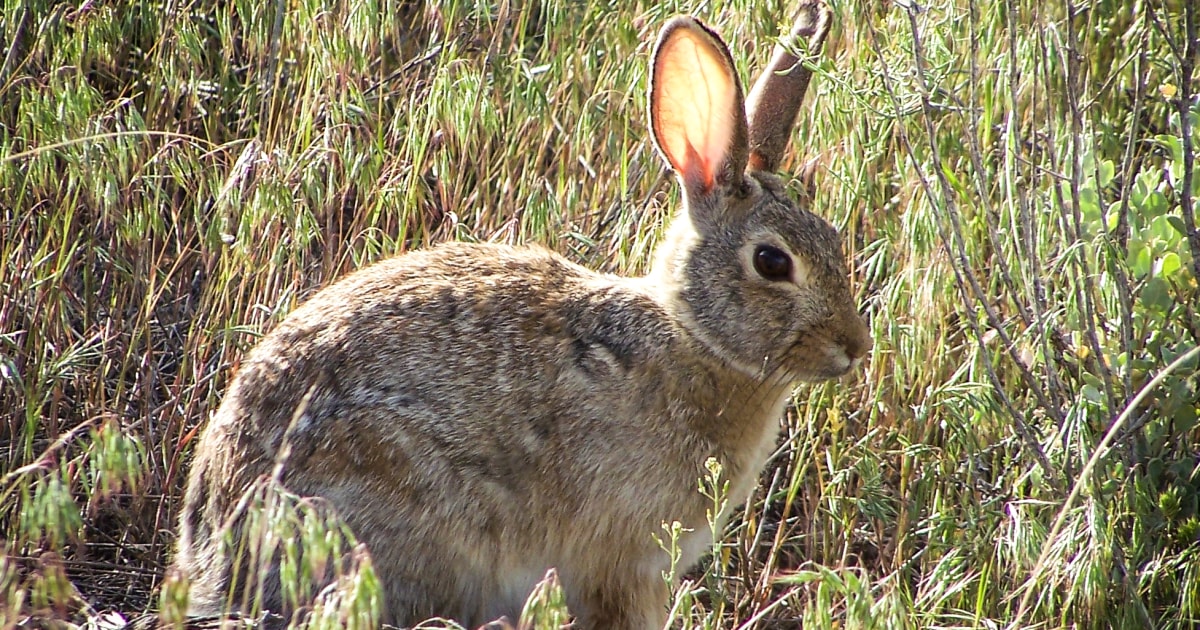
<point>1010,179</point>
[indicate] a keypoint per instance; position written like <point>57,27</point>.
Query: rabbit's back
<point>465,409</point>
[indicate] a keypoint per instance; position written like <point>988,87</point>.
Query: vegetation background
<point>1016,183</point>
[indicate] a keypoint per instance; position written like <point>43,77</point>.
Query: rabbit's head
<point>758,279</point>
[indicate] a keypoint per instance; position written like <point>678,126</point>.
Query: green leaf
<point>1173,144</point>
<point>1162,231</point>
<point>1089,205</point>
<point>1107,170</point>
<point>1154,469</point>
<point>1156,296</point>
<point>1181,406</point>
<point>1141,187</point>
<point>1139,259</point>
<point>1156,204</point>
<point>1169,265</point>
<point>1177,223</point>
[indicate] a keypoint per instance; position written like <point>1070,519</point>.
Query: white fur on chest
<point>699,540</point>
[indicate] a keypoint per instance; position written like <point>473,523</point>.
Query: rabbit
<point>478,414</point>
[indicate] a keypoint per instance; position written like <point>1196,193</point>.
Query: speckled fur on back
<point>478,414</point>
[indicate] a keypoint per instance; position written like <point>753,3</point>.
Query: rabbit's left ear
<point>696,107</point>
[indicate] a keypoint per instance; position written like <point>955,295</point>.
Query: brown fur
<point>478,413</point>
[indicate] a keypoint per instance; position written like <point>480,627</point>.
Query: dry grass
<point>175,177</point>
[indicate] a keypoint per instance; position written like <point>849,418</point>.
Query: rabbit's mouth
<point>839,361</point>
<point>815,360</point>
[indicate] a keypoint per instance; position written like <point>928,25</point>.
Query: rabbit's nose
<point>857,342</point>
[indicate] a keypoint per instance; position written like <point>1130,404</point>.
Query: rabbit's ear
<point>779,91</point>
<point>696,107</point>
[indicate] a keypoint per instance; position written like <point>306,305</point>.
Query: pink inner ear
<point>696,104</point>
<point>697,171</point>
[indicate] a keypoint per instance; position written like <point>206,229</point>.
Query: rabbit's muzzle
<point>857,344</point>
<point>845,347</point>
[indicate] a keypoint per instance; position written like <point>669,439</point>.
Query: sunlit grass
<point>176,178</point>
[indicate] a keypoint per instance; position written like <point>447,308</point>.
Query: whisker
<point>772,378</point>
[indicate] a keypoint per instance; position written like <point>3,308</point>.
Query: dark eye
<point>771,263</point>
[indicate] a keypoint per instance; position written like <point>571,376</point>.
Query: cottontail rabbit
<point>478,414</point>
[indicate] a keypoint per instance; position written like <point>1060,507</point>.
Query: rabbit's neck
<point>742,405</point>
<point>734,408</point>
<point>740,418</point>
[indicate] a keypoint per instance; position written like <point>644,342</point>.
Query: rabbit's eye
<point>772,263</point>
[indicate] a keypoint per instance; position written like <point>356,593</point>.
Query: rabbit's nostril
<point>858,343</point>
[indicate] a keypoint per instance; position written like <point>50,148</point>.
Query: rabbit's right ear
<point>776,97</point>
<point>696,108</point>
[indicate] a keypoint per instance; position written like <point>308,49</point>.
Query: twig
<point>1027,243</point>
<point>1186,58</point>
<point>44,461</point>
<point>15,48</point>
<point>975,153</point>
<point>968,284</point>
<point>1183,104</point>
<point>104,136</point>
<point>1130,168</point>
<point>1084,296</point>
<point>1100,452</point>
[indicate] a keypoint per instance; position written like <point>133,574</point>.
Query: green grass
<point>175,177</point>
